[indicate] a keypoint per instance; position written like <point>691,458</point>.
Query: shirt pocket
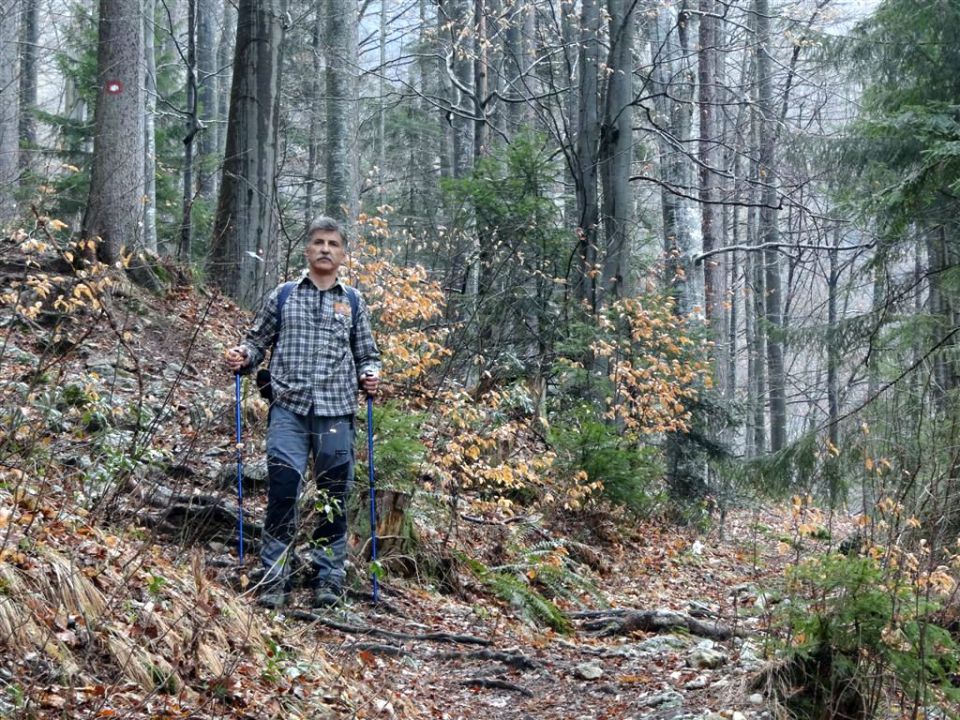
<point>340,326</point>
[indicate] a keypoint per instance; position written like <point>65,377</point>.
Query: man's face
<point>325,251</point>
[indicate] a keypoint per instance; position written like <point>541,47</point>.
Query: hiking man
<point>323,349</point>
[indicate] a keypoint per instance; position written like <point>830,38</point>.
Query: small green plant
<point>155,585</point>
<point>515,589</point>
<point>15,693</point>
<point>276,658</point>
<point>75,396</point>
<point>597,452</point>
<point>854,628</point>
<point>398,451</point>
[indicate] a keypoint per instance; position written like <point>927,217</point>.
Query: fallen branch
<point>486,521</point>
<point>377,632</point>
<point>619,623</point>
<point>496,684</point>
<point>588,614</point>
<point>378,649</point>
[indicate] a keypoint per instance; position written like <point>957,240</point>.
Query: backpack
<point>263,374</point>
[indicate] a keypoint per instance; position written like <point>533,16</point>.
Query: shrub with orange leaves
<point>490,439</point>
<point>655,366</point>
<point>82,289</point>
<point>403,300</point>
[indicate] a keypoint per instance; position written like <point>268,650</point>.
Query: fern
<point>516,591</point>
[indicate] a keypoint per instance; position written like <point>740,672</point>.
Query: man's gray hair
<point>326,224</point>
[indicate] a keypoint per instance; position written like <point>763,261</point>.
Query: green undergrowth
<point>515,588</point>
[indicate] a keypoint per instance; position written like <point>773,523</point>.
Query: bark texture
<point>585,154</point>
<point>245,222</point>
<point>616,152</point>
<point>9,108</point>
<point>343,192</point>
<point>115,205</point>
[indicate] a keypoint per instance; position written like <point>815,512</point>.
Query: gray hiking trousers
<point>292,440</point>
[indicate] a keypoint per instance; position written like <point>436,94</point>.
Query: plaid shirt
<point>315,365</point>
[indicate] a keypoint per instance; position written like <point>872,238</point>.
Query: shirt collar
<point>305,277</point>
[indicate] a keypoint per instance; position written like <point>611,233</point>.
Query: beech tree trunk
<point>243,233</point>
<point>343,192</point>
<point>206,82</point>
<point>714,289</point>
<point>616,152</point>
<point>115,205</point>
<point>769,231</point>
<point>586,155</point>
<point>9,109</point>
<point>462,88</point>
<point>315,104</point>
<point>185,248</point>
<point>150,127</point>
<point>673,82</point>
<point>29,41</point>
<point>224,74</point>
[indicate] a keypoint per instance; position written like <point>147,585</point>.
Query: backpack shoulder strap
<point>285,291</point>
<point>354,297</point>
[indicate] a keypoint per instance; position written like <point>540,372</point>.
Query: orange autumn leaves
<point>655,367</point>
<point>478,440</point>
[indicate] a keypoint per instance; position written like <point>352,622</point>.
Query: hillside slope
<point>121,593</point>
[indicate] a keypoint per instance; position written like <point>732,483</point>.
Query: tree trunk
<point>224,75</point>
<point>445,91</point>
<point>585,155</point>
<point>315,104</point>
<point>481,130</point>
<point>616,153</point>
<point>150,126</point>
<point>570,116</point>
<point>714,273</point>
<point>243,233</point>
<point>939,262</point>
<point>343,196</point>
<point>463,127</point>
<point>185,247</point>
<point>833,367</point>
<point>769,231</point>
<point>206,80</point>
<point>115,206</point>
<point>9,109</point>
<point>29,41</point>
<point>673,82</point>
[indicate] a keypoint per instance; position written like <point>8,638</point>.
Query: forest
<point>668,302</point>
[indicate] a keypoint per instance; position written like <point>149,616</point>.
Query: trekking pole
<point>373,501</point>
<point>239,476</point>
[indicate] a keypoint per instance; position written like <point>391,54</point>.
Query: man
<point>320,357</point>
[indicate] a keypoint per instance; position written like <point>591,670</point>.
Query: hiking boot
<point>325,596</point>
<point>273,596</point>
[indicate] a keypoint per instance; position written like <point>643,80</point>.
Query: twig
<point>378,649</point>
<point>363,630</point>
<point>496,684</point>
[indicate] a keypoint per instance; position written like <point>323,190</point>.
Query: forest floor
<point>505,667</point>
<point>121,596</point>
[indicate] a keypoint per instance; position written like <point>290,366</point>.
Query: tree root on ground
<point>620,622</point>
<point>514,660</point>
<point>496,684</point>
<point>377,632</point>
<point>378,649</point>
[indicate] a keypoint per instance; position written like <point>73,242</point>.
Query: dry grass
<point>161,625</point>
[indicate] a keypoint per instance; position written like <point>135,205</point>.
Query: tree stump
<point>396,539</point>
